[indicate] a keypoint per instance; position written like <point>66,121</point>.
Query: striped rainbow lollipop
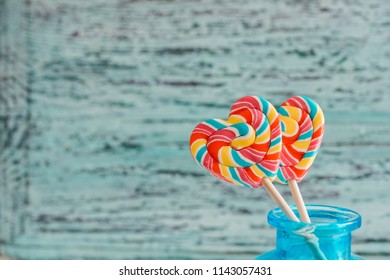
<point>303,126</point>
<point>245,150</point>
<point>242,149</point>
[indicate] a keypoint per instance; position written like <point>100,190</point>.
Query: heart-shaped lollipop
<point>244,148</point>
<point>303,126</point>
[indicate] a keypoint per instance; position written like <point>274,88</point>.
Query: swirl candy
<point>245,150</point>
<point>303,126</point>
<point>242,149</point>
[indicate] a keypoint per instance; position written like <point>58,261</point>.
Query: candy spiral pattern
<point>244,148</point>
<point>303,125</point>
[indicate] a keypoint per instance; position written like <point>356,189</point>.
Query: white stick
<point>296,193</point>
<point>278,198</point>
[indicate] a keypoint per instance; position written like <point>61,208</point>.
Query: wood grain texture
<point>98,99</point>
<point>14,124</point>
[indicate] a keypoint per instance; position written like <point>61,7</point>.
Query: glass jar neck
<point>334,245</point>
<point>331,227</point>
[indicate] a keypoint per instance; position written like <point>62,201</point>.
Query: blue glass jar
<point>331,225</point>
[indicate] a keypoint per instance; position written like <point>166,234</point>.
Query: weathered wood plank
<point>14,123</point>
<point>116,88</point>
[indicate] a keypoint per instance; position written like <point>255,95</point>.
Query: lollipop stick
<point>299,200</point>
<point>278,198</point>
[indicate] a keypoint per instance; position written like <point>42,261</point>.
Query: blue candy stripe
<point>310,154</point>
<point>240,161</point>
<point>282,111</point>
<point>313,107</point>
<point>242,128</point>
<point>281,177</point>
<point>283,126</point>
<point>200,154</point>
<point>275,141</point>
<point>217,125</point>
<point>265,106</point>
<point>262,128</point>
<point>306,135</point>
<point>267,173</point>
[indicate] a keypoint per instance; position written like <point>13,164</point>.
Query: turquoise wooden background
<point>98,98</point>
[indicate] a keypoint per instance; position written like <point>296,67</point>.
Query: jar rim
<point>323,217</point>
